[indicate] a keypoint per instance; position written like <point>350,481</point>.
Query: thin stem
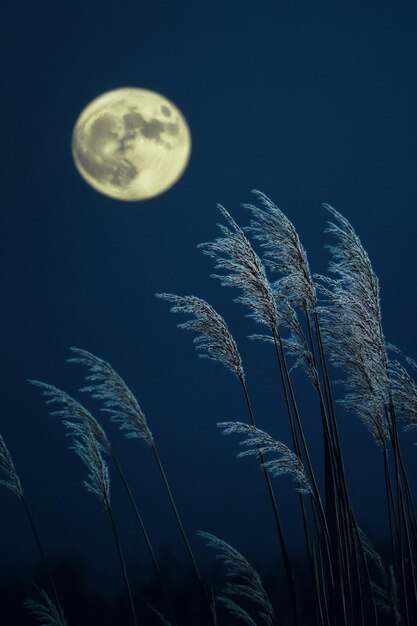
<point>353,527</point>
<point>284,551</point>
<point>145,534</point>
<point>341,476</point>
<point>122,563</point>
<point>410,502</point>
<point>41,550</point>
<point>390,504</point>
<point>402,518</point>
<point>283,369</point>
<point>329,618</point>
<point>181,528</point>
<point>287,387</point>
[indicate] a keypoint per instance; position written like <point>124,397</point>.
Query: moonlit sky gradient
<point>308,103</point>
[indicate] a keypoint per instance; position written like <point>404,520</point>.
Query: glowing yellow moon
<point>131,144</point>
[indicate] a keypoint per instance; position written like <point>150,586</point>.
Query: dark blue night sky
<point>308,102</point>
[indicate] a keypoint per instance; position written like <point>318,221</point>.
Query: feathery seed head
<point>107,386</point>
<point>236,610</point>
<point>370,553</point>
<point>45,610</point>
<point>234,253</point>
<point>87,448</point>
<point>283,251</point>
<point>214,340</point>
<point>89,439</point>
<point>74,415</point>
<point>352,328</point>
<point>404,392</point>
<point>259,443</point>
<point>11,480</point>
<point>249,585</point>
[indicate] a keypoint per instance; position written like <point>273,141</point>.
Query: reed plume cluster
<point>322,324</point>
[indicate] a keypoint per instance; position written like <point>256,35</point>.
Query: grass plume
<point>258,443</point>
<point>214,340</point>
<point>45,610</point>
<point>244,581</point>
<point>333,319</point>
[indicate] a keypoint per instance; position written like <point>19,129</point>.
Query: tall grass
<point>325,325</point>
<point>11,480</point>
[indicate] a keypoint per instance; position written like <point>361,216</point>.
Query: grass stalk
<point>42,552</point>
<point>404,541</point>
<point>284,551</point>
<point>182,531</point>
<point>145,535</point>
<point>288,389</point>
<point>352,525</point>
<point>122,564</point>
<point>283,368</point>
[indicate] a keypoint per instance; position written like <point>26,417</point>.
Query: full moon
<point>131,144</point>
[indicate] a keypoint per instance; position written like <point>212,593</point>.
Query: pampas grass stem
<point>283,546</point>
<point>182,531</point>
<point>145,535</point>
<point>42,552</point>
<point>122,564</point>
